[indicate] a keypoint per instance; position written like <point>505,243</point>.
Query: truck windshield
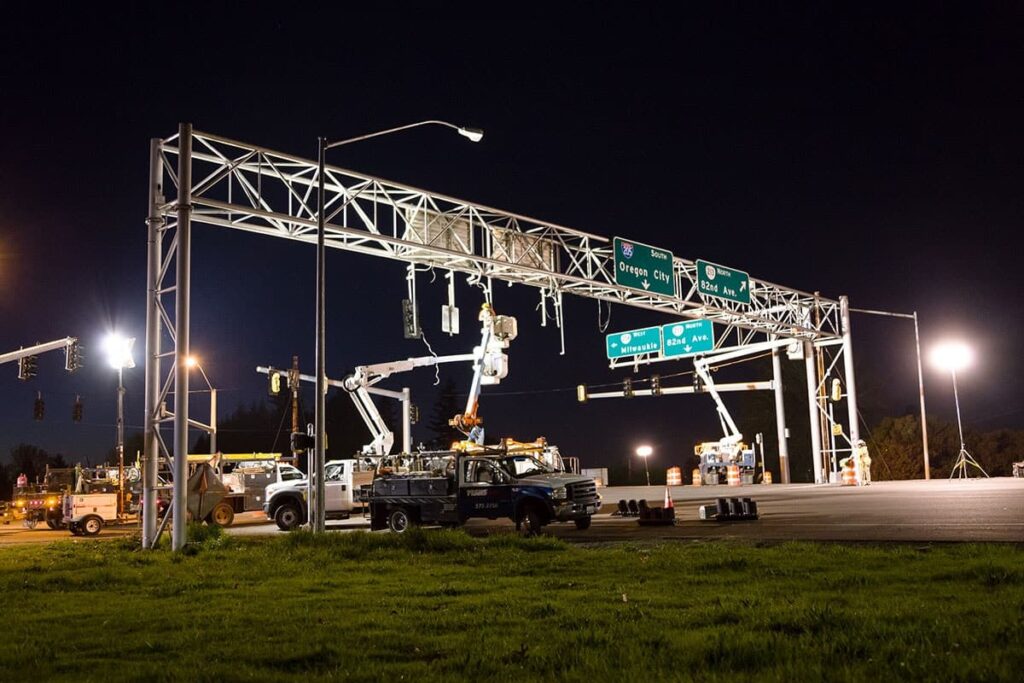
<point>524,466</point>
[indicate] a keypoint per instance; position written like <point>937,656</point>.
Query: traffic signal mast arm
<point>65,343</point>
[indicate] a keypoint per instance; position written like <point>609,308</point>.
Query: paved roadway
<point>911,511</point>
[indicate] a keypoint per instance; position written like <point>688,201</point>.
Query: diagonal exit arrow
<point>743,285</point>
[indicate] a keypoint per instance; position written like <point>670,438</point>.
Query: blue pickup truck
<point>448,489</point>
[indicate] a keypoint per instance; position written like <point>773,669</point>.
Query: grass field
<point>439,604</point>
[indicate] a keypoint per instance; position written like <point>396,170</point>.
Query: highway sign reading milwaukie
<point>725,283</point>
<point>687,337</point>
<point>643,267</point>
<point>633,342</point>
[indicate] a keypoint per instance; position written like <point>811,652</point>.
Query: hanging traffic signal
<point>39,408</point>
<point>414,413</point>
<point>581,393</point>
<point>76,410</point>
<point>274,387</point>
<point>627,388</point>
<point>655,385</point>
<point>837,390</point>
<point>410,321</point>
<point>28,367</point>
<point>73,356</point>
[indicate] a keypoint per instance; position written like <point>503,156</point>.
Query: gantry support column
<point>780,417</point>
<point>812,406</point>
<point>851,384</point>
<point>181,342</point>
<point>151,443</point>
<point>406,420</point>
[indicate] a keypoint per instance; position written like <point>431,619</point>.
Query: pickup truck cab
<point>516,487</point>
<point>286,502</point>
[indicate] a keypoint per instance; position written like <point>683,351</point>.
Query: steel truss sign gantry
<point>222,182</point>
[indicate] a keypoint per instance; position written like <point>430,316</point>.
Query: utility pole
<point>293,383</point>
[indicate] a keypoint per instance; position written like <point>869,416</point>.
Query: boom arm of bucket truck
<point>702,366</point>
<point>490,366</point>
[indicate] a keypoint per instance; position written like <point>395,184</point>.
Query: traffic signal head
<point>627,387</point>
<point>274,388</point>
<point>581,393</point>
<point>28,367</point>
<point>39,408</point>
<point>302,442</point>
<point>414,413</point>
<point>76,410</point>
<point>656,385</point>
<point>73,356</point>
<point>837,390</point>
<point>410,321</point>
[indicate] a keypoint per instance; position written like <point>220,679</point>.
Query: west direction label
<point>633,342</point>
<point>687,338</point>
<point>643,267</point>
<point>725,283</point>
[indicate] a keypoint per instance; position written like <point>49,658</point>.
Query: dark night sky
<point>867,151</point>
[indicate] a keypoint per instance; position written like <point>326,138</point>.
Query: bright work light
<point>119,351</point>
<point>952,356</point>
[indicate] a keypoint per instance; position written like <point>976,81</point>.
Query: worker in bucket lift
<point>860,451</point>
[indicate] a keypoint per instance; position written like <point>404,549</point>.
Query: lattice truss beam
<point>245,187</point>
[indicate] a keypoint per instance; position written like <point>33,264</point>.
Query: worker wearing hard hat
<point>860,451</point>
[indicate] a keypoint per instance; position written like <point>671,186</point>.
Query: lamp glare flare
<point>644,451</point>
<point>119,351</point>
<point>952,356</point>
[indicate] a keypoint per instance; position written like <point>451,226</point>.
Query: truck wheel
<point>532,521</point>
<point>30,523</point>
<point>583,524</point>
<point>222,515</point>
<point>74,529</point>
<point>288,516</point>
<point>52,523</point>
<point>399,521</point>
<point>91,525</point>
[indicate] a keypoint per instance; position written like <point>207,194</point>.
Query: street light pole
<point>920,391</point>
<point>920,379</point>
<point>317,508</point>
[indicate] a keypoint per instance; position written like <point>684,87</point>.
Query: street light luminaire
<point>474,134</point>
<point>644,451</point>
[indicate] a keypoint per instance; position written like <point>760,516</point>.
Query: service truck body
<point>451,488</point>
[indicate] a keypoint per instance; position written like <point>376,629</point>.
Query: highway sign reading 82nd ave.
<point>725,283</point>
<point>643,267</point>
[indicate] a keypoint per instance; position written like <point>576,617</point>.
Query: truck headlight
<point>558,493</point>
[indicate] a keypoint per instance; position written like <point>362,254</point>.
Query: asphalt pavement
<point>907,511</point>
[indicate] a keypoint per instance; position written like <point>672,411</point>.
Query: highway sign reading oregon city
<point>725,283</point>
<point>643,267</point>
<point>633,342</point>
<point>686,338</point>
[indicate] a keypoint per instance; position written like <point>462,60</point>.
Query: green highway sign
<point>643,267</point>
<point>633,342</point>
<point>725,283</point>
<point>687,337</point>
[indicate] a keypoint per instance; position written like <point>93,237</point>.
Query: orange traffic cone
<point>668,499</point>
